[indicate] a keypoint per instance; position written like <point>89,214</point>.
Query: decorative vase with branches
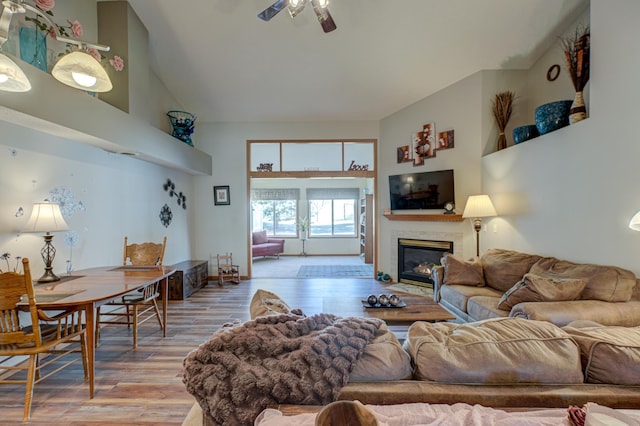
<point>303,226</point>
<point>576,49</point>
<point>502,109</point>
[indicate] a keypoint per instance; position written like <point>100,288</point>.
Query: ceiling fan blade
<point>324,17</point>
<point>328,24</point>
<point>294,11</point>
<point>273,10</point>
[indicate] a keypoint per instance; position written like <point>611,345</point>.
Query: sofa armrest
<point>437,275</point>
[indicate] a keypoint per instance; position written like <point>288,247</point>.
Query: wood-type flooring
<point>144,386</point>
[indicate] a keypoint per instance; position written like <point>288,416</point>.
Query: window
<point>275,210</point>
<point>332,212</point>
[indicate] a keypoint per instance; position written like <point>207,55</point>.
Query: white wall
<point>572,192</point>
<point>223,229</point>
<point>122,196</point>
<point>457,107</point>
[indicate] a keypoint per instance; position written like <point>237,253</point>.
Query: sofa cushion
<point>383,360</point>
<point>606,283</point>
<point>485,307</point>
<point>260,237</point>
<point>534,288</point>
<point>459,295</point>
<point>609,354</point>
<point>493,351</point>
<point>265,302</point>
<point>504,268</point>
<point>459,271</point>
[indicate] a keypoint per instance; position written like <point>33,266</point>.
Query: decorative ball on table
<point>383,300</point>
<point>394,300</point>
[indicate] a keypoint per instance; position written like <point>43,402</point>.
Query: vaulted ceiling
<point>224,64</point>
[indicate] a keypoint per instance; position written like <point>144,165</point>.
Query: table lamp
<point>478,206</point>
<point>46,217</point>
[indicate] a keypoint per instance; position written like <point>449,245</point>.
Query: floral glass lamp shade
<point>478,206</point>
<point>46,217</point>
<point>12,78</point>
<point>80,70</point>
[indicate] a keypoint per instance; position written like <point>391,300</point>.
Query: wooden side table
<point>190,276</point>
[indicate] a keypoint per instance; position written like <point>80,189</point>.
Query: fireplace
<point>415,258</point>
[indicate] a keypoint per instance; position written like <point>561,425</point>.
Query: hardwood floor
<point>144,386</point>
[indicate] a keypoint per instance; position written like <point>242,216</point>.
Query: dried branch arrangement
<point>502,109</point>
<point>576,52</point>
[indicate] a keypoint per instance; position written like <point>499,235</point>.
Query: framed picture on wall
<point>221,195</point>
<point>445,140</point>
<point>404,154</point>
<point>417,144</point>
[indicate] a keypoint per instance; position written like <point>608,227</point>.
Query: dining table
<point>90,288</point>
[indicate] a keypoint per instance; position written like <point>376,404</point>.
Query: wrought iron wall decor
<point>170,187</point>
<point>166,216</point>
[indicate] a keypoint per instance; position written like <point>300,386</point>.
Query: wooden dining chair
<point>54,335</point>
<point>227,271</point>
<point>140,305</point>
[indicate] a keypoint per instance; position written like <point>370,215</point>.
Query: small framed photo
<point>221,195</point>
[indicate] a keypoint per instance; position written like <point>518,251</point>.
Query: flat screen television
<point>423,190</point>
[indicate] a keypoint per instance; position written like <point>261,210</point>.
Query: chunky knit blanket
<point>278,359</point>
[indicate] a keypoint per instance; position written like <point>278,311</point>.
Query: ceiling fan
<point>296,6</point>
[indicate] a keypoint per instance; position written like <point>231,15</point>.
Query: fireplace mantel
<point>425,217</point>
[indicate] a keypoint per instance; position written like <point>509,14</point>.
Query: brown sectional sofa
<point>505,283</point>
<point>501,363</point>
<point>512,362</point>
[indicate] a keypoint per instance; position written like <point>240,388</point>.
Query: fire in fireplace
<point>416,257</point>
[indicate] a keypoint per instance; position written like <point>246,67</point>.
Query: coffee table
<point>419,308</point>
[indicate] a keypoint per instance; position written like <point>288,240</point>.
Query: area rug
<point>332,271</point>
<point>413,289</point>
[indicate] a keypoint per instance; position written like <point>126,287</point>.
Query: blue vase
<point>552,116</point>
<point>33,47</point>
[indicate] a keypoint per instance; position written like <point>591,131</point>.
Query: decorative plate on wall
<point>166,216</point>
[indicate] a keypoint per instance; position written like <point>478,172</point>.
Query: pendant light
<point>77,69</point>
<point>12,78</point>
<point>82,71</point>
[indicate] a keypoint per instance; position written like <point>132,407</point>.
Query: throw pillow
<point>383,360</point>
<point>534,288</point>
<point>503,268</point>
<point>267,303</point>
<point>459,271</point>
<point>606,283</point>
<point>260,237</point>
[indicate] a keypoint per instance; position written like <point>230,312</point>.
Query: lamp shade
<point>12,78</point>
<point>80,70</point>
<point>45,217</point>
<point>479,206</point>
<point>634,223</point>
